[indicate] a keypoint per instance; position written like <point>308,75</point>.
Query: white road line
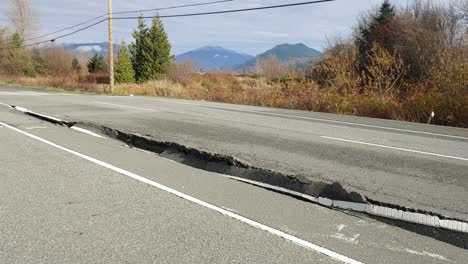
<point>86,131</point>
<point>312,118</point>
<point>396,148</point>
<point>126,106</point>
<point>35,127</point>
<point>6,105</point>
<point>296,240</point>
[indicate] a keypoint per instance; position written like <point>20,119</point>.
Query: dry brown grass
<point>415,105</point>
<point>65,83</point>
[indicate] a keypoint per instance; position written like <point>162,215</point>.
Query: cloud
<point>89,49</point>
<point>249,32</point>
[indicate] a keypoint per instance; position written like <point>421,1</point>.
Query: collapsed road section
<point>329,194</point>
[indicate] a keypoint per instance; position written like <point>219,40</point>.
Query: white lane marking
<point>35,127</point>
<point>425,253</point>
<point>86,131</point>
<point>22,109</point>
<point>396,148</point>
<point>126,106</point>
<point>46,116</point>
<point>296,240</point>
<point>347,239</point>
<point>313,118</point>
<point>7,105</point>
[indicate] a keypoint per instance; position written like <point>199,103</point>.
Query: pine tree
<point>369,32</point>
<point>124,72</point>
<point>97,64</point>
<point>136,48</point>
<point>76,66</point>
<point>151,51</point>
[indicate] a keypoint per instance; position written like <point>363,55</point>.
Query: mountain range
<point>215,57</point>
<point>210,58</point>
<point>299,54</point>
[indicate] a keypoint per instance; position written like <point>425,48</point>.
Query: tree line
<point>147,58</point>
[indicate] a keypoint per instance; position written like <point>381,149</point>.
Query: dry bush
<point>183,73</point>
<point>60,82</point>
<point>430,30</point>
<point>271,68</point>
<point>385,72</point>
<point>98,77</point>
<point>338,68</point>
<point>58,59</point>
<point>152,88</point>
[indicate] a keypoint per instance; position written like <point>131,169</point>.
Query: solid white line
<point>396,148</point>
<point>126,106</point>
<point>312,118</point>
<point>276,188</point>
<point>24,110</point>
<point>46,116</point>
<point>35,127</point>
<point>21,109</point>
<point>6,105</point>
<point>86,131</point>
<point>298,241</point>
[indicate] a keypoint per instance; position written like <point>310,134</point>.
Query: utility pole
<point>111,49</point>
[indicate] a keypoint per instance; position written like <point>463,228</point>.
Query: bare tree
<point>21,16</point>
<point>272,68</point>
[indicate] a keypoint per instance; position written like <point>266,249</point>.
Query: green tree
<point>76,66</point>
<point>124,72</point>
<point>136,48</point>
<point>151,51</point>
<point>97,64</point>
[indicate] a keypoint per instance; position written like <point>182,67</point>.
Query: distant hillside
<point>210,58</point>
<point>80,48</point>
<point>298,53</point>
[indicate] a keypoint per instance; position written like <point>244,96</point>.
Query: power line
<point>171,7</point>
<point>183,15</point>
<point>232,11</point>
<point>61,36</point>
<point>126,12</point>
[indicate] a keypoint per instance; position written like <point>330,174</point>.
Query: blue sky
<point>249,32</point>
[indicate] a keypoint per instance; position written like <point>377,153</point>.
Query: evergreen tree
<point>124,72</point>
<point>370,32</point>
<point>97,64</point>
<point>136,48</point>
<point>151,51</point>
<point>76,66</point>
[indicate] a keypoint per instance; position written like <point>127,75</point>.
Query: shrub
<point>183,72</point>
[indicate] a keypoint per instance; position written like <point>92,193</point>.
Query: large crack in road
<point>330,194</point>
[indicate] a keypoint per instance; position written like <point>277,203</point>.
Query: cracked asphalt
<point>413,165</point>
<point>58,208</point>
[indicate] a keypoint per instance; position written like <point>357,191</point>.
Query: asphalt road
<point>413,165</point>
<point>70,197</point>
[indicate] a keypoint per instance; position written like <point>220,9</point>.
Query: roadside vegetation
<point>400,63</point>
